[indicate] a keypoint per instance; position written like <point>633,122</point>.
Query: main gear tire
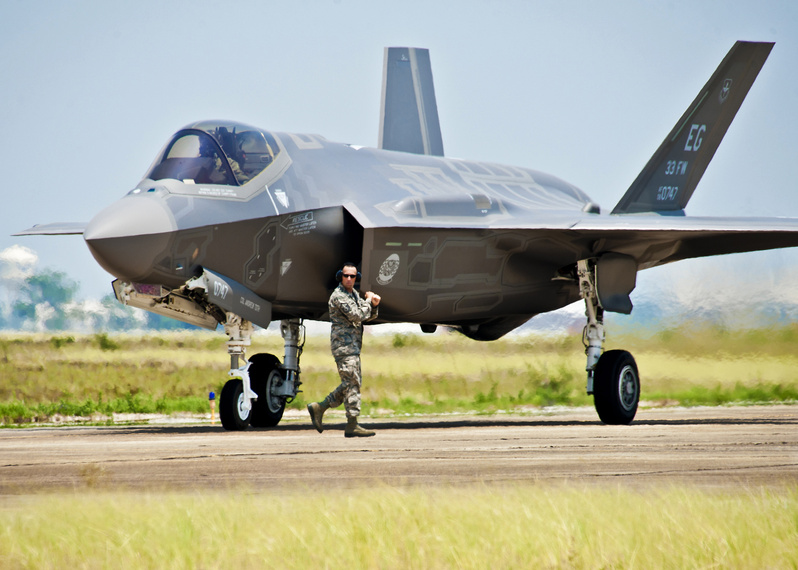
<point>265,375</point>
<point>231,406</point>
<point>616,387</point>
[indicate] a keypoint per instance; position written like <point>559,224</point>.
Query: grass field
<point>522,526</point>
<point>375,526</point>
<point>46,377</point>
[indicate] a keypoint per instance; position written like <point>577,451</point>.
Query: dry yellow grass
<point>524,526</point>
<point>402,373</point>
<point>521,526</point>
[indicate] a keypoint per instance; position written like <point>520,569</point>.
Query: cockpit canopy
<point>214,152</point>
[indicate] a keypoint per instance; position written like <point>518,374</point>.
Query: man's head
<point>348,276</point>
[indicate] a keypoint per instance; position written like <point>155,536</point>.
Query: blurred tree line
<point>47,301</point>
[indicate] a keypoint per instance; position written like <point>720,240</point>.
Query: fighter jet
<point>236,225</point>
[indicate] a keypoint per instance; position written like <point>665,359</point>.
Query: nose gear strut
<point>260,388</point>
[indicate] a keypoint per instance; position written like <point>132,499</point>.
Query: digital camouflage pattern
<point>348,312</point>
<point>348,391</point>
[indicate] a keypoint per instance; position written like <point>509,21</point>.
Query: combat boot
<point>316,411</point>
<point>354,430</point>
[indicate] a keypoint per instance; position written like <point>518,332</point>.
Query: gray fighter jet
<point>236,225</point>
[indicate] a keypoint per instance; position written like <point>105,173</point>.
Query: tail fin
<point>409,114</point>
<point>669,179</point>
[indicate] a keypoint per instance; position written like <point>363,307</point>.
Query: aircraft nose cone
<point>130,236</point>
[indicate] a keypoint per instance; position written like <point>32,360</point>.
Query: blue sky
<point>583,90</point>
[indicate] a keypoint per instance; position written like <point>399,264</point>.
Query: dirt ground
<point>705,447</point>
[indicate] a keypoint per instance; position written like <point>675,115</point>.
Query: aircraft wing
<point>656,240</point>
<point>651,239</point>
<point>57,229</point>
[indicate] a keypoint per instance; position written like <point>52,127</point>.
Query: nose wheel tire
<point>265,375</point>
<point>231,406</point>
<point>616,387</point>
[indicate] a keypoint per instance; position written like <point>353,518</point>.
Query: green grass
<point>476,526</point>
<point>50,376</point>
<point>375,526</point>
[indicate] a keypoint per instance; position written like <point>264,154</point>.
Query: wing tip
<point>57,229</point>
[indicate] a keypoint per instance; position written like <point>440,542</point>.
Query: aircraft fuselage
<point>436,236</point>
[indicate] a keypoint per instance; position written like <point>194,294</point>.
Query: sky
<point>583,90</point>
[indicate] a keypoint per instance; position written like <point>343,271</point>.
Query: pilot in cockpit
<point>220,174</point>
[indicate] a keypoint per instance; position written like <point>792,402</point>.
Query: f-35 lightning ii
<point>236,225</point>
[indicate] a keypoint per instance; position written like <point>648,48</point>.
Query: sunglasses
<point>349,276</point>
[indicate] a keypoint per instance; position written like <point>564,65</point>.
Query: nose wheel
<point>232,408</point>
<point>266,376</point>
<point>258,391</point>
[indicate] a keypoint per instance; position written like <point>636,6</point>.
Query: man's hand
<point>372,298</point>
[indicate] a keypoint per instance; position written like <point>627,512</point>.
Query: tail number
<point>695,137</point>
<point>667,193</point>
<point>220,289</point>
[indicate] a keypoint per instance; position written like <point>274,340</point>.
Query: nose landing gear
<point>258,391</point>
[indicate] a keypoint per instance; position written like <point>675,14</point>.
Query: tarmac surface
<point>722,447</point>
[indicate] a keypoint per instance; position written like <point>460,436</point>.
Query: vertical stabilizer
<point>669,179</point>
<point>409,113</point>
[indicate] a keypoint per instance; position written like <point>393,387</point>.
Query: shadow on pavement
<point>437,423</point>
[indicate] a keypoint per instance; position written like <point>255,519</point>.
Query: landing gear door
<point>616,276</point>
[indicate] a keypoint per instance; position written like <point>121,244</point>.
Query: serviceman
<point>348,312</point>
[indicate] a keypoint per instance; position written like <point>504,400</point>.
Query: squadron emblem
<point>388,269</point>
<point>724,91</point>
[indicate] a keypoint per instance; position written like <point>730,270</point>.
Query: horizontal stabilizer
<point>58,229</point>
<point>409,113</point>
<point>669,179</point>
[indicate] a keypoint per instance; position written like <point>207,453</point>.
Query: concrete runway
<point>705,447</point>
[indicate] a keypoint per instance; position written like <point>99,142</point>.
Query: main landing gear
<point>258,390</point>
<point>612,377</point>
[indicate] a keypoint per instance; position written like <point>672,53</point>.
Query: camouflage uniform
<point>348,312</point>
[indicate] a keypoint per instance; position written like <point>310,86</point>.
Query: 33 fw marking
<point>673,167</point>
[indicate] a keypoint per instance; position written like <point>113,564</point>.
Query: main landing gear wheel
<point>616,387</point>
<point>231,406</point>
<point>265,375</point>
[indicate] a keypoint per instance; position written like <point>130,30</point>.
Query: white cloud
<point>17,263</point>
